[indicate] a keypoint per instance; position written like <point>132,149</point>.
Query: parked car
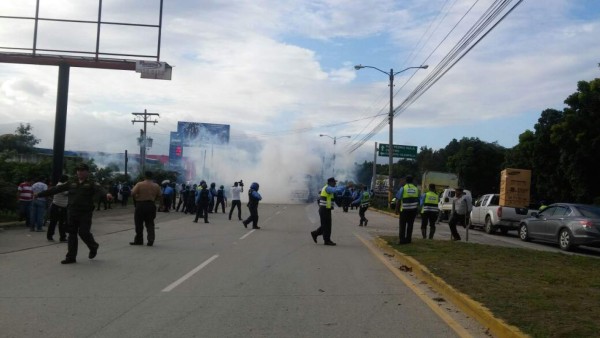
<point>566,224</point>
<point>491,216</point>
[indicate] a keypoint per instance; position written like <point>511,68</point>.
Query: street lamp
<point>334,138</point>
<point>391,75</point>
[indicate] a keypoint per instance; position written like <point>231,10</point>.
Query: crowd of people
<point>75,199</point>
<point>70,204</point>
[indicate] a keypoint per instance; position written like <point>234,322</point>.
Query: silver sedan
<point>566,224</point>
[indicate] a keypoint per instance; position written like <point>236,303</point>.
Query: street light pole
<point>334,138</point>
<point>391,75</point>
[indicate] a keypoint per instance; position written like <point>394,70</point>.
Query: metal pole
<point>373,181</point>
<point>391,145</point>
<point>333,162</point>
<point>60,122</point>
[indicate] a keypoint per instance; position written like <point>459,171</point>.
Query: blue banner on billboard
<point>195,134</point>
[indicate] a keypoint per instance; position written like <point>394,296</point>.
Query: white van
<point>445,204</point>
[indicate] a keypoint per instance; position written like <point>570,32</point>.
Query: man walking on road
<point>83,192</point>
<point>408,203</point>
<point>253,198</point>
<point>325,206</point>
<point>145,194</point>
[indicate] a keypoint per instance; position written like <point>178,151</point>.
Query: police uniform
<point>325,206</point>
<point>82,195</point>
<point>363,204</point>
<point>203,198</point>
<point>429,212</point>
<point>408,197</point>
<point>253,199</point>
<point>145,194</point>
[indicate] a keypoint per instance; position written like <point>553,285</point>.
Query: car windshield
<point>589,211</point>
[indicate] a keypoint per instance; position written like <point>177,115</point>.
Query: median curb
<point>497,327</point>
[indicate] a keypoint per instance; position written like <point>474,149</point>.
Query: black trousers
<point>361,213</point>
<point>79,224</point>
<point>202,211</point>
<point>221,201</point>
<point>145,213</point>
<point>407,220</point>
<point>234,204</point>
<point>57,215</point>
<point>253,216</point>
<point>428,217</point>
<point>325,228</point>
<point>454,220</point>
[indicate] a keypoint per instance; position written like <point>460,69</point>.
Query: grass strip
<point>542,293</point>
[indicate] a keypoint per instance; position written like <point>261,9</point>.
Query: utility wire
<point>462,48</point>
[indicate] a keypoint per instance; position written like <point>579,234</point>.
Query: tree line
<point>561,151</point>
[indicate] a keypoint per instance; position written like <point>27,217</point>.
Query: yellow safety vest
<point>431,202</point>
<point>410,197</point>
<point>325,199</point>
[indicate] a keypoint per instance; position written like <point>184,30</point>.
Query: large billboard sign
<point>195,134</point>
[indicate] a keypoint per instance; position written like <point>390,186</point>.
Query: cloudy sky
<point>282,72</point>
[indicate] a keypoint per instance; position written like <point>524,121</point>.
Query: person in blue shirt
<point>203,198</point>
<point>168,194</point>
<point>325,206</point>
<point>253,198</point>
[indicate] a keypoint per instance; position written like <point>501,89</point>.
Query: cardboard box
<point>515,185</point>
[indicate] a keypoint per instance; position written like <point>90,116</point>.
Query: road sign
<point>401,151</point>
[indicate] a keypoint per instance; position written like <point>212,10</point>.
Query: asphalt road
<point>220,280</point>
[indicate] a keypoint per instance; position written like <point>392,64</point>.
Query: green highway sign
<point>399,151</point>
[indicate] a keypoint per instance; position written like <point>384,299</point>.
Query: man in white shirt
<point>461,206</point>
<point>237,188</point>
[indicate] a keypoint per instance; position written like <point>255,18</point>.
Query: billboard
<point>195,134</point>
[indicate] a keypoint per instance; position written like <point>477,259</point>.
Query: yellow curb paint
<point>497,327</point>
<point>460,331</point>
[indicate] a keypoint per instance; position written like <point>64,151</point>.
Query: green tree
<point>478,165</point>
<point>578,138</point>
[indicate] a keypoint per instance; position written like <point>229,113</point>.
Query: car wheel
<point>524,233</point>
<point>565,240</point>
<point>488,227</point>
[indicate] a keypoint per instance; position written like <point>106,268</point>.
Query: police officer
<point>82,194</point>
<point>429,211</point>
<point>363,200</point>
<point>203,198</point>
<point>325,206</point>
<point>253,198</point>
<point>145,194</point>
<point>408,203</point>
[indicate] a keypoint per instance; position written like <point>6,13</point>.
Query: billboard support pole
<point>60,122</point>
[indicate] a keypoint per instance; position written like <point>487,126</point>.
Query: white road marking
<point>189,274</point>
<point>247,234</point>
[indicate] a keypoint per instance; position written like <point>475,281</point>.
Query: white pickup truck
<point>488,214</point>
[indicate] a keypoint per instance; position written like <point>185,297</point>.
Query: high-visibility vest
<point>431,202</point>
<point>366,198</point>
<point>410,197</point>
<point>325,199</point>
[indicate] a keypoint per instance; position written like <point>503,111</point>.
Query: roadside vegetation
<point>544,294</point>
<point>559,151</point>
